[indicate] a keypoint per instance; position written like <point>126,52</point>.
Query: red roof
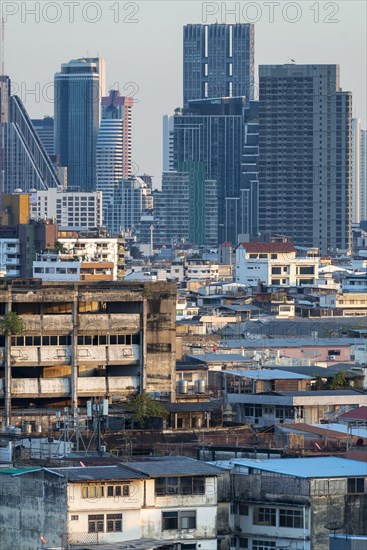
<point>359,413</point>
<point>269,247</point>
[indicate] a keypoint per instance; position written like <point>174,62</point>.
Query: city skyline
<point>146,81</point>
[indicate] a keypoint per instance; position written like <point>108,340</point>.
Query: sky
<point>142,44</point>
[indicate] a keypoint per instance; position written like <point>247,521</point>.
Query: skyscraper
<point>363,176</point>
<point>25,162</point>
<point>114,143</point>
<point>305,156</point>
<point>79,87</point>
<point>131,198</point>
<point>218,61</point>
<point>187,207</point>
<point>213,132</point>
<point>45,130</point>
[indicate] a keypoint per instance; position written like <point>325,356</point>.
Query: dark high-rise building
<point>305,149</point>
<point>218,61</point>
<point>25,163</point>
<point>214,132</point>
<point>79,87</point>
<point>187,208</point>
<point>45,130</point>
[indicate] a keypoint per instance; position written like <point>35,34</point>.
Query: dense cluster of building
<point>184,368</point>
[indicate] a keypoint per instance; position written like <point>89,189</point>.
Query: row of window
<point>288,517</point>
<point>185,519</point>
<point>96,523</point>
<point>65,340</point>
<point>194,485</point>
<point>98,491</point>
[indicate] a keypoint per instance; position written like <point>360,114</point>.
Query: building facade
<point>45,130</point>
<point>79,87</point>
<point>70,209</point>
<point>130,199</point>
<point>25,162</point>
<point>218,61</point>
<point>274,264</point>
<point>305,192</point>
<point>114,144</point>
<point>84,340</point>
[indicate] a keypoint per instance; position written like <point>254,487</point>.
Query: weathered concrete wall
<point>32,506</point>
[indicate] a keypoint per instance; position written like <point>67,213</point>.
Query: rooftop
<point>267,374</point>
<point>218,358</point>
<point>317,467</point>
<point>174,466</point>
<point>258,247</point>
<point>360,413</point>
<point>91,473</point>
<point>290,342</point>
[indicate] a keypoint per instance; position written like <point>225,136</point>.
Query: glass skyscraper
<point>79,87</point>
<point>218,61</point>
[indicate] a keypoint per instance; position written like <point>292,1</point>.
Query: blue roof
<point>267,374</point>
<point>318,467</point>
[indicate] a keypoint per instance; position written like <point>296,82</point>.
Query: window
<point>355,485</point>
<point>114,523</point>
<point>243,542</point>
<point>179,520</point>
<point>263,544</point>
<point>189,485</point>
<point>169,520</point>
<point>74,518</point>
<point>188,519</point>
<point>276,270</point>
<point>265,516</point>
<point>96,523</point>
<point>291,518</point>
<point>243,509</point>
<point>92,491</point>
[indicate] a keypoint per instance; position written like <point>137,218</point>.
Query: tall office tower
<point>187,207</point>
<point>114,144</point>
<point>25,163</point>
<point>218,61</point>
<point>45,130</point>
<point>249,194</point>
<point>167,143</point>
<point>305,156</point>
<point>212,132</point>
<point>356,170</point>
<point>78,89</point>
<point>131,198</point>
<point>363,176</point>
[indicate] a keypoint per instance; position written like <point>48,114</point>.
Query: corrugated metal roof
<point>315,467</point>
<point>268,247</point>
<point>93,473</point>
<point>267,374</point>
<point>219,358</point>
<point>174,466</point>
<point>194,406</point>
<point>291,342</point>
<point>359,413</point>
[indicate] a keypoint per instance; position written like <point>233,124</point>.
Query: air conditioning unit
<point>332,357</point>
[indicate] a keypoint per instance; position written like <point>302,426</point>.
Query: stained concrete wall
<point>32,505</point>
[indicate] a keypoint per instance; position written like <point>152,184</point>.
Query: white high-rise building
<point>114,144</point>
<point>72,210</point>
<point>356,170</point>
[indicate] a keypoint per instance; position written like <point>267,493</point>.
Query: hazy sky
<point>142,44</point>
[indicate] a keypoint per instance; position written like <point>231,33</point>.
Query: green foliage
<point>12,324</point>
<point>338,382</point>
<point>143,406</point>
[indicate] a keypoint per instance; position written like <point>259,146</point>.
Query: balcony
<point>61,387</point>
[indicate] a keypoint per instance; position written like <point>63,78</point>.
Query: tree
<point>338,381</point>
<point>143,406</point>
<point>12,324</point>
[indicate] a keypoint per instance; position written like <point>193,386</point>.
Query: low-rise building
<point>294,502</point>
<point>274,264</point>
<point>168,502</point>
